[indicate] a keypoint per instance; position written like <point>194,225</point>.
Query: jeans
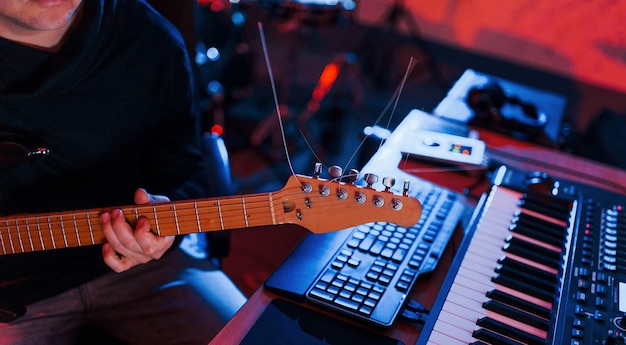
<point>178,299</point>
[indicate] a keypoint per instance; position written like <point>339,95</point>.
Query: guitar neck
<point>29,233</point>
<point>316,204</point>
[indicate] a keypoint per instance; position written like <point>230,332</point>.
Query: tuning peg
<point>317,170</point>
<point>353,175</point>
<point>370,179</point>
<point>335,171</point>
<point>388,182</point>
<point>405,187</point>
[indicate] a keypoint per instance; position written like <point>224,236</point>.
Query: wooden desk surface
<point>520,155</point>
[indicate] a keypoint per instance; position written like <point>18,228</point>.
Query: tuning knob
<point>335,171</point>
<point>352,176</point>
<point>388,182</point>
<point>370,179</point>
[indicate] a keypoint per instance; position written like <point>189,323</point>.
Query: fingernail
<point>116,213</point>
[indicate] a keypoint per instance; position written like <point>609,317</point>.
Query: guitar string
<point>275,96</point>
<point>396,96</point>
<point>56,221</point>
<point>177,207</point>
<point>253,203</point>
<point>394,99</point>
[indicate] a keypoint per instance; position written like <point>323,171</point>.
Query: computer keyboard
<point>372,271</point>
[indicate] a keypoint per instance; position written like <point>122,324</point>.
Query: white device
<point>446,148</point>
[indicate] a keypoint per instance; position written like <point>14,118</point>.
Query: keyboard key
<point>374,254</point>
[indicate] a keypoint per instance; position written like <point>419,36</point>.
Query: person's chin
<point>52,3</point>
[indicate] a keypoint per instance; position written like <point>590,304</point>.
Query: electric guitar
<point>317,204</point>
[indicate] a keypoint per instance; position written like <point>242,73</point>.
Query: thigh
<point>175,300</point>
<point>55,320</point>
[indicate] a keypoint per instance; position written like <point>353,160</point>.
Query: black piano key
<point>509,331</point>
<point>550,238</point>
<point>546,205</point>
<point>478,343</point>
<point>541,224</point>
<point>533,252</point>
<point>523,287</point>
<point>516,314</point>
<point>519,303</point>
<point>493,338</point>
<point>537,281</point>
<point>544,275</point>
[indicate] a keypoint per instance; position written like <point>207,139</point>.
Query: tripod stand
<point>378,48</point>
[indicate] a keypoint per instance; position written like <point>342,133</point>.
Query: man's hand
<point>127,247</point>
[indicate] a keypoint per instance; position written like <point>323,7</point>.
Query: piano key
<point>519,303</point>
<point>510,332</point>
<point>494,338</point>
<point>523,286</point>
<point>537,234</point>
<point>516,314</point>
<point>561,204</point>
<point>553,226</point>
<point>535,280</point>
<point>453,335</point>
<point>545,275</point>
<point>532,252</point>
<point>555,210</point>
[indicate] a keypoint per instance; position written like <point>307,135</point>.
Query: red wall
<point>582,39</point>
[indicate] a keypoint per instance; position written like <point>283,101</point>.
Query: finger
<point>113,259</point>
<point>143,197</point>
<point>152,245</point>
<point>119,233</point>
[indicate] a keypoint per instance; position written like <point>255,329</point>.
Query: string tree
<point>405,187</point>
<point>317,170</point>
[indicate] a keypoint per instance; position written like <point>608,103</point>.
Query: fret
<point>40,234</point>
<point>243,209</point>
<point>19,235</point>
<point>176,219</point>
<point>156,220</point>
<point>4,250</point>
<point>271,203</point>
<point>195,208</point>
<point>54,244</point>
<point>30,237</point>
<point>61,222</point>
<point>90,228</point>
<point>76,229</point>
<point>219,213</point>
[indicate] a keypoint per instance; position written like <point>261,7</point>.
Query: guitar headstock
<point>322,205</point>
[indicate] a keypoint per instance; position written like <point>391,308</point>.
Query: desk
<point>388,161</point>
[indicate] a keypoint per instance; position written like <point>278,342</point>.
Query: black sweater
<point>115,107</point>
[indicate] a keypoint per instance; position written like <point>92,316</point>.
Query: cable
<point>414,313</point>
